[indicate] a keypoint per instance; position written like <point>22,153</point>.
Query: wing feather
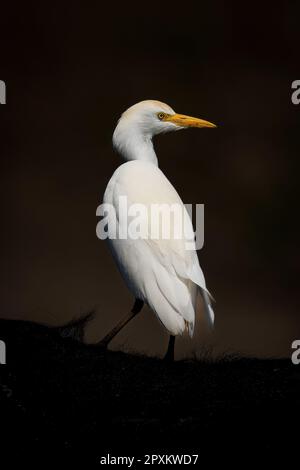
<point>162,272</point>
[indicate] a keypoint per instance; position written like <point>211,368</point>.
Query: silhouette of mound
<point>62,398</point>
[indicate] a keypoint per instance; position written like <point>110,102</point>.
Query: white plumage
<point>160,272</point>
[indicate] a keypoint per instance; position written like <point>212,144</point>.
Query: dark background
<point>70,70</point>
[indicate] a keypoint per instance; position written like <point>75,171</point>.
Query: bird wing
<point>162,272</point>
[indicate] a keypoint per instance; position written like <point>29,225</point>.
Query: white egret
<point>159,272</point>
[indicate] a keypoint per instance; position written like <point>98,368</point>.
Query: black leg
<point>138,305</point>
<point>170,352</point>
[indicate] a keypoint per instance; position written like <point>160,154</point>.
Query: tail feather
<point>209,313</point>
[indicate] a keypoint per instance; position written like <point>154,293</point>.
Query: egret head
<point>132,137</point>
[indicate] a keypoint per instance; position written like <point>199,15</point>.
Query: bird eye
<point>161,116</point>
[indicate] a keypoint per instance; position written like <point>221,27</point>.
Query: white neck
<point>134,145</point>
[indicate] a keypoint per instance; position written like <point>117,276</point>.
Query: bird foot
<point>169,356</point>
<point>102,345</point>
<point>168,359</point>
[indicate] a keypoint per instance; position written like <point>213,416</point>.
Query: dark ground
<point>63,399</point>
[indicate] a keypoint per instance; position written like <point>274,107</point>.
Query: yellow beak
<point>188,121</point>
